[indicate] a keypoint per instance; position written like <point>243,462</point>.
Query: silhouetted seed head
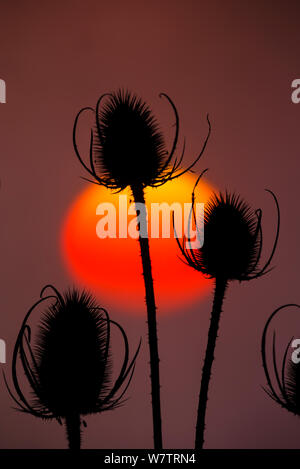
<point>73,369</point>
<point>232,240</point>
<point>69,367</point>
<point>292,386</point>
<point>127,147</point>
<point>284,385</point>
<point>132,151</point>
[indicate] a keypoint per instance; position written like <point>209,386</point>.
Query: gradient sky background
<point>233,59</point>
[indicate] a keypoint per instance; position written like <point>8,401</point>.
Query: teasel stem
<point>72,423</point>
<point>220,288</point>
<point>138,195</point>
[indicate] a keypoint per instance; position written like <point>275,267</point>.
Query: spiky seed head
<point>283,385</point>
<point>231,240</point>
<point>129,148</point>
<point>292,387</point>
<point>73,367</point>
<point>68,367</point>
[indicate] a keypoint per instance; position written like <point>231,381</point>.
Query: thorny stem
<point>220,288</point>
<point>73,431</point>
<point>138,194</point>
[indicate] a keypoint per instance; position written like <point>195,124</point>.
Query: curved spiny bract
<point>283,385</point>
<point>68,367</point>
<point>232,250</point>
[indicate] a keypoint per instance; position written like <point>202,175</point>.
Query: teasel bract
<point>69,366</point>
<point>231,250</point>
<point>284,387</point>
<point>127,149</point>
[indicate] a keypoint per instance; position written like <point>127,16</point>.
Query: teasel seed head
<point>232,245</point>
<point>283,385</point>
<point>127,148</point>
<point>69,366</point>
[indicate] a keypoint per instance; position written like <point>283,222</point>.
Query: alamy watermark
<point>2,91</point>
<point>2,351</point>
<point>296,353</point>
<point>166,220</point>
<point>295,96</point>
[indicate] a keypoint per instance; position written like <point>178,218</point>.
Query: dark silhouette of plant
<point>231,251</point>
<point>127,149</point>
<point>69,367</point>
<point>288,380</point>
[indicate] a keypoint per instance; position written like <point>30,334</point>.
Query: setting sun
<point>111,267</point>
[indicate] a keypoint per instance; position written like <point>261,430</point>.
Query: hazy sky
<point>233,59</point>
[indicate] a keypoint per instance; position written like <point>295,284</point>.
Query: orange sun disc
<point>111,267</point>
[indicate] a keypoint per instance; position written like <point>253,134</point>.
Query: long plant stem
<point>139,198</point>
<point>73,431</point>
<point>220,288</point>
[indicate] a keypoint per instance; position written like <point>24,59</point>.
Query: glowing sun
<point>111,267</point>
